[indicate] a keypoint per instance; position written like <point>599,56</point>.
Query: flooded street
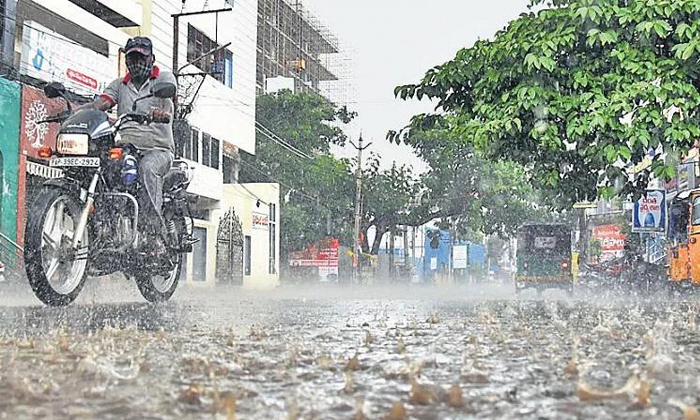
<point>340,353</point>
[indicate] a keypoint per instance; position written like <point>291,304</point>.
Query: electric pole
<point>357,271</point>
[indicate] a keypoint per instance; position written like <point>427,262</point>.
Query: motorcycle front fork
<point>89,202</point>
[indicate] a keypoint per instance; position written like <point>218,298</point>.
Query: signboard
<point>649,213</point>
<point>459,256</point>
<point>612,241</point>
<point>545,242</point>
<point>49,56</point>
<point>585,205</point>
<point>322,254</point>
<point>260,220</point>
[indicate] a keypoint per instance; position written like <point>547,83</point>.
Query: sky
<point>394,42</point>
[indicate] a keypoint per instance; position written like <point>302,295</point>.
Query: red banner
<point>322,254</point>
<point>612,241</point>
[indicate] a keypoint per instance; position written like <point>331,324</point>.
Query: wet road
<point>339,353</point>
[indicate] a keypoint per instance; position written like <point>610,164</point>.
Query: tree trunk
<point>392,260</point>
<point>381,230</point>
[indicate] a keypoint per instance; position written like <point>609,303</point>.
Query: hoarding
<point>49,56</point>
<point>649,213</point>
<point>612,241</point>
<point>322,254</point>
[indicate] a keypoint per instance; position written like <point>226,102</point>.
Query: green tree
<point>469,193</point>
<point>576,93</point>
<point>294,135</point>
<point>387,195</point>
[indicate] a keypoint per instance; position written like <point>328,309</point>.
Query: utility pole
<point>357,272</point>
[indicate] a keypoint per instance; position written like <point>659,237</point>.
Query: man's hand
<point>160,115</point>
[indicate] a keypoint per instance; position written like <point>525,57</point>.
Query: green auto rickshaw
<point>544,257</point>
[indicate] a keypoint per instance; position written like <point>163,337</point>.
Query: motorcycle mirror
<point>164,89</point>
<point>54,90</point>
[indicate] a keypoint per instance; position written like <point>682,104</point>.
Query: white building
<point>85,41</point>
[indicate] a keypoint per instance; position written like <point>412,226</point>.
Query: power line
<point>269,177</point>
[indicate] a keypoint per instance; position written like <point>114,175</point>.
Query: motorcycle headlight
<point>72,144</point>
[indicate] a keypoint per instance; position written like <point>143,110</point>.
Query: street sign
<point>585,205</point>
<point>460,257</point>
<point>649,213</point>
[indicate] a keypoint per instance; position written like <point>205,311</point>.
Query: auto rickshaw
<point>683,246</point>
<point>544,258</point>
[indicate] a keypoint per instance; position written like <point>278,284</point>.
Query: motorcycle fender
<point>68,185</point>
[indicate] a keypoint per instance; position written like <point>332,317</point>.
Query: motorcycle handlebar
<point>53,119</point>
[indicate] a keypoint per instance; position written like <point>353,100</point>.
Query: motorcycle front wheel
<point>55,270</point>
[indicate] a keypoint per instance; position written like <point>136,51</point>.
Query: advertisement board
<point>49,56</point>
<point>612,241</point>
<point>649,213</point>
<point>322,254</point>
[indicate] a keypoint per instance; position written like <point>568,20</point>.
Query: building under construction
<point>294,44</point>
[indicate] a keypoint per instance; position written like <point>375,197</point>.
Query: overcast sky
<point>395,42</point>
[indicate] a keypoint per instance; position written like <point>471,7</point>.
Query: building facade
<point>297,52</point>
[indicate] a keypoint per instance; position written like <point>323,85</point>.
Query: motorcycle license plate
<point>89,162</point>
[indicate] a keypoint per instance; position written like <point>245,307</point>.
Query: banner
<point>612,241</point>
<point>322,254</point>
<point>650,212</point>
<point>49,56</point>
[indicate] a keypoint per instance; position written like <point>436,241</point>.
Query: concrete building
<point>297,52</point>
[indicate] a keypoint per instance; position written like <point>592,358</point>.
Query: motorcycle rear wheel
<point>160,288</point>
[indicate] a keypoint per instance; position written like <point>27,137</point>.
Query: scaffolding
<point>293,43</point>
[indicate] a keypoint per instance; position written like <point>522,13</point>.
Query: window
<point>218,65</point>
<point>246,256</point>
<point>272,226</point>
<point>696,211</point>
<point>215,148</point>
<point>211,148</point>
<point>189,148</point>
<point>206,149</point>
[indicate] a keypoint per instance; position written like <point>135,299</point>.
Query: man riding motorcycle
<point>154,141</point>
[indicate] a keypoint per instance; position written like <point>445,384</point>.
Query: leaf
<point>689,50</point>
<point>625,153</point>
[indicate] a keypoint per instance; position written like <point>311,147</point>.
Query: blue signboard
<point>650,212</point>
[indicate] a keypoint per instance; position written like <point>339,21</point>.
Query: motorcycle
<point>85,223</point>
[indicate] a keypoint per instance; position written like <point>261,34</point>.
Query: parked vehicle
<point>86,222</point>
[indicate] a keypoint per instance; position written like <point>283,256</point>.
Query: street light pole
<point>357,272</point>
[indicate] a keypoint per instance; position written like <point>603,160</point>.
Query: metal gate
<point>229,249</point>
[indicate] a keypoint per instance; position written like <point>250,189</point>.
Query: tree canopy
<point>294,135</point>
<point>577,93</point>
